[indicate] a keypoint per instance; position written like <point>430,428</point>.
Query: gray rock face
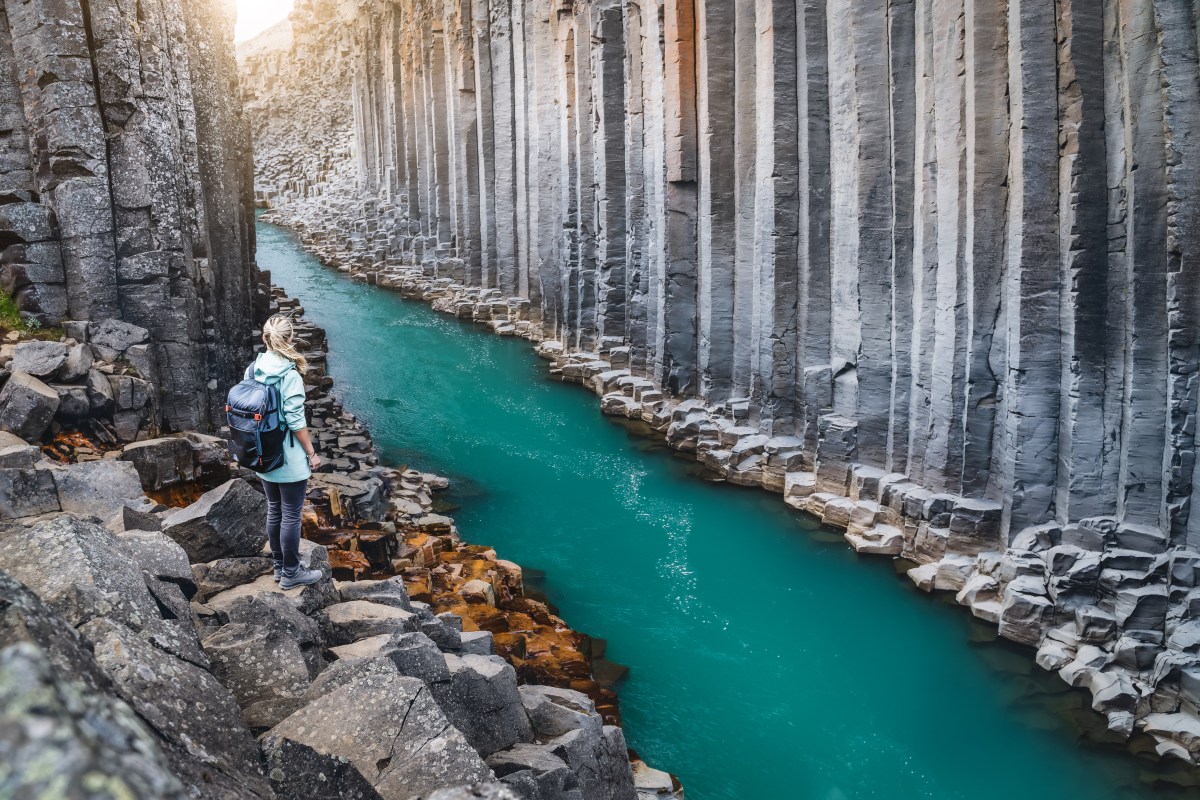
<point>83,572</point>
<point>390,728</point>
<point>39,359</point>
<point>298,772</point>
<point>266,655</point>
<point>61,740</point>
<point>227,521</point>
<point>27,406</point>
<point>360,619</point>
<point>98,488</point>
<point>210,747</point>
<point>482,701</point>
<point>127,188</point>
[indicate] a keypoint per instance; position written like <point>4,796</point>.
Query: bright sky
<point>255,16</point>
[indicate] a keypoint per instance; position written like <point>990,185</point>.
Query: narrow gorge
<point>922,267</point>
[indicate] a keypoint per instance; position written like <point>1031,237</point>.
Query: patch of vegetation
<point>11,320</point>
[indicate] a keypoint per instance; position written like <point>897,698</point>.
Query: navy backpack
<point>256,426</point>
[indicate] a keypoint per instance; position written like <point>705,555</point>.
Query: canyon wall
<point>960,231</point>
<point>920,265</point>
<point>126,182</point>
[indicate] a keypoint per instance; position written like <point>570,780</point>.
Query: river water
<point>767,661</point>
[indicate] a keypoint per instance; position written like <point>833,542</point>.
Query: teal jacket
<point>272,368</point>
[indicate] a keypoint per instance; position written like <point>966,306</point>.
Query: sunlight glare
<point>255,16</point>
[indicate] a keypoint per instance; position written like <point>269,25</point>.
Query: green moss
<point>11,320</point>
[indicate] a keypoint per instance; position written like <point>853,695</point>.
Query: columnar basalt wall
<point>126,181</point>
<point>923,265</point>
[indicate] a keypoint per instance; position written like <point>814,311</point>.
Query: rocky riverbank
<point>1107,606</point>
<point>139,566</point>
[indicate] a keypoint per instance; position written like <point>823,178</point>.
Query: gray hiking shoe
<point>278,571</point>
<point>300,576</point>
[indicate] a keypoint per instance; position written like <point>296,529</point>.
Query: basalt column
<point>125,187</point>
<point>944,243</point>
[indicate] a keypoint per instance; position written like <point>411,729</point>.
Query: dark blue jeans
<point>284,502</point>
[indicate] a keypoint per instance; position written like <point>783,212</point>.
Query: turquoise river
<point>767,661</point>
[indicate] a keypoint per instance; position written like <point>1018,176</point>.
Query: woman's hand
<point>314,460</point>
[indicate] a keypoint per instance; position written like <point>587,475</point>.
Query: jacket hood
<point>270,367</point>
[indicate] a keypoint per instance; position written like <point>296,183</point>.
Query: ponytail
<point>277,335</point>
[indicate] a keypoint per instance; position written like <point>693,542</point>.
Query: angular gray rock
<point>26,493</point>
<point>307,599</point>
<point>228,521</point>
<point>537,772</point>
<point>361,619</point>
<point>63,740</point>
<point>298,772</point>
<point>482,700</point>
<point>40,359</point>
<point>210,747</point>
<point>391,729</point>
<point>266,655</point>
<point>98,488</point>
<point>161,462</point>
<point>84,572</point>
<point>27,406</point>
<point>389,592</point>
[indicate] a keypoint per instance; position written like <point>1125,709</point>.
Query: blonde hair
<point>277,335</point>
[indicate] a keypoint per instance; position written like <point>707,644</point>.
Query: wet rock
<point>298,772</point>
<point>27,406</point>
<point>391,729</point>
<point>267,655</point>
<point>63,740</point>
<point>27,493</point>
<point>39,359</point>
<point>360,619</point>
<point>228,521</point>
<point>98,488</point>
<point>166,692</point>
<point>483,702</point>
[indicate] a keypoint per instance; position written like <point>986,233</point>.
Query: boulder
<point>161,558</point>
<point>478,791</point>
<point>100,393</point>
<point>24,617</point>
<point>128,518</point>
<point>77,364</point>
<point>343,672</point>
<point>390,592</point>
<point>601,762</point>
<point>306,599</point>
<point>536,767</point>
<point>553,711</point>
<point>83,571</point>
<point>27,493</point>
<point>228,521</point>
<point>226,573</point>
<point>62,740</point>
<point>212,746</point>
<point>298,772</point>
<point>73,404</point>
<point>98,488</point>
<point>39,359</point>
<point>391,729</point>
<point>266,655</point>
<point>161,462</point>
<point>478,643</point>
<point>360,619</point>
<point>482,700</point>
<point>27,406</point>
<point>16,453</point>
<point>111,338</point>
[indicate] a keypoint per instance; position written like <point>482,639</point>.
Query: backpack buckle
<point>258,417</point>
<point>227,408</point>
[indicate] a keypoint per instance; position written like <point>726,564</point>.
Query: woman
<point>286,486</point>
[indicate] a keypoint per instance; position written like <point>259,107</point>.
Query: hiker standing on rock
<point>270,436</point>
